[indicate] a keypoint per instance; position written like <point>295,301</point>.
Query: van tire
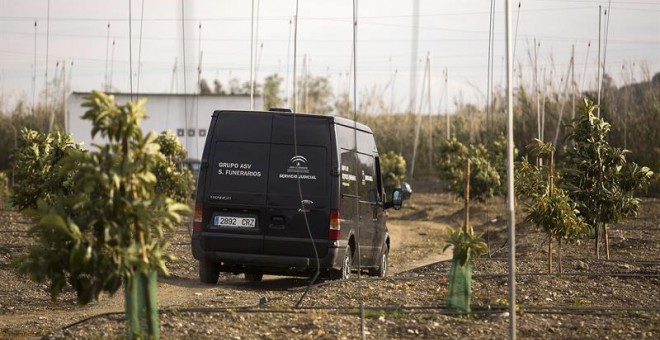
<point>254,277</point>
<point>345,272</point>
<point>209,272</point>
<point>383,264</point>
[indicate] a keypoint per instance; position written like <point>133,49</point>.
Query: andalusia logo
<point>298,164</point>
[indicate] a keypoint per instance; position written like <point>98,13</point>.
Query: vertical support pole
<point>598,82</point>
<point>573,85</point>
<point>252,59</point>
<point>413,56</point>
<point>357,161</point>
<point>447,126</point>
<point>295,54</point>
<point>511,220</point>
<point>536,90</point>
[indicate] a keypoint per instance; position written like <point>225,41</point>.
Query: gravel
<point>593,298</point>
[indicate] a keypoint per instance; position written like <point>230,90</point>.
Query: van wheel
<point>209,272</point>
<point>381,271</point>
<point>255,277</point>
<point>345,272</point>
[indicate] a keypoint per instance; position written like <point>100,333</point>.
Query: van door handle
<point>306,205</point>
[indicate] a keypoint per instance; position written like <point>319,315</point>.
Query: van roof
<point>336,119</point>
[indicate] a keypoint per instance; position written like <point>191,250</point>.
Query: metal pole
<point>355,100</point>
<point>598,82</point>
<point>536,90</point>
<point>288,54</point>
<point>107,50</point>
<point>50,125</point>
<point>446,94</point>
<point>252,58</point>
<point>413,56</point>
<point>509,171</point>
<point>573,85</point>
<point>295,44</point>
<point>112,63</point>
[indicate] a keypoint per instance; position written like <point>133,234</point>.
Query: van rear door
<point>237,183</point>
<point>298,186</point>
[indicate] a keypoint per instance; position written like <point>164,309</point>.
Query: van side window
<point>379,182</point>
<point>348,171</point>
<point>367,179</point>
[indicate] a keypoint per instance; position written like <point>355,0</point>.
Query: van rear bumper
<point>332,260</point>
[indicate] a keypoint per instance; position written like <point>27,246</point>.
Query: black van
<point>273,185</point>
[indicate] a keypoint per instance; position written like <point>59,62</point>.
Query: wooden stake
<point>550,254</point>
<point>467,228</point>
<point>597,240</point>
<point>559,257</point>
<point>551,180</point>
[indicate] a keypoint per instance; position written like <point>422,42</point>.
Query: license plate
<point>234,222</point>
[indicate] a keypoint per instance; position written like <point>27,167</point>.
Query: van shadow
<point>269,283</point>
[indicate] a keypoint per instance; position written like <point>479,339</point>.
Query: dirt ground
<point>594,298</point>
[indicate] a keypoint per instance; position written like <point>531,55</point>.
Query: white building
<point>187,116</point>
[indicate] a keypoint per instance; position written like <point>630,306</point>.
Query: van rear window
<point>244,126</point>
<point>308,130</point>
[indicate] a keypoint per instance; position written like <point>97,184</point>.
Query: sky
<point>105,42</point>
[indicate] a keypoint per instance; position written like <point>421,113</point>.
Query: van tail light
<point>197,218</point>
<point>335,225</point>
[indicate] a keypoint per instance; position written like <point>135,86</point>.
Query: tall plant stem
<point>607,241</point>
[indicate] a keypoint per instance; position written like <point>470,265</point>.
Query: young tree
<point>204,87</point>
<point>4,190</point>
<point>484,179</point>
<point>496,155</point>
<point>217,88</point>
<point>110,229</point>
<point>467,247</point>
<point>549,208</point>
<point>235,87</point>
<point>246,87</point>
<point>393,168</point>
<point>344,106</point>
<point>314,95</point>
<point>272,85</point>
<point>174,180</point>
<point>36,163</point>
<point>598,178</point>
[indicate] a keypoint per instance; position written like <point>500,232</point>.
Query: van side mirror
<point>407,190</point>
<point>397,198</point>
